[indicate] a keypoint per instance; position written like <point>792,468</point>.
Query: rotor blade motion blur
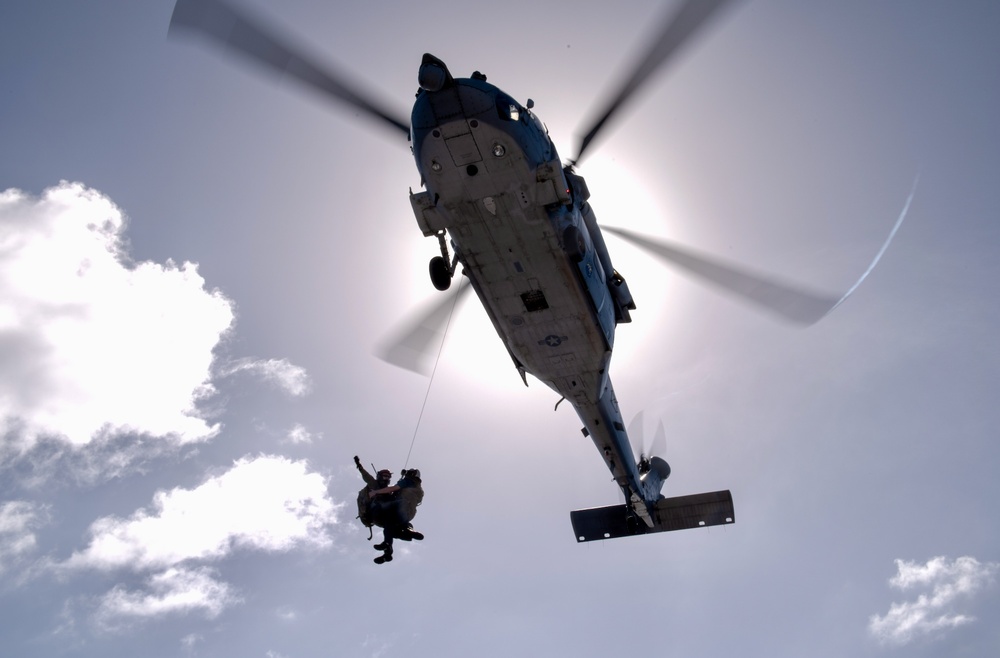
<point>226,27</point>
<point>413,347</point>
<point>788,302</point>
<point>676,31</point>
<point>784,300</point>
<point>637,432</point>
<point>659,445</point>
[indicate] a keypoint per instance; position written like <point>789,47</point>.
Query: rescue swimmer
<point>392,508</point>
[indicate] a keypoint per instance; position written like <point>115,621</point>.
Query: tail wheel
<point>440,273</point>
<point>574,243</point>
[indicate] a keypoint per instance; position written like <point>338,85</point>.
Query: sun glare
<point>623,198</point>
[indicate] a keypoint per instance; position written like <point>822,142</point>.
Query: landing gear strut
<point>441,270</point>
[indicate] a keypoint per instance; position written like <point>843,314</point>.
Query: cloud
<point>933,612</point>
<point>18,520</point>
<point>92,344</point>
<point>174,591</point>
<point>289,377</point>
<point>267,503</point>
<point>299,434</point>
<point>54,460</point>
<point>378,646</point>
<point>189,641</point>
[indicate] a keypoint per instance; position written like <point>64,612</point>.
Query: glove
<point>357,462</point>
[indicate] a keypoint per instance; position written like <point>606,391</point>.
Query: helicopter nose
<point>431,77</point>
<point>433,74</point>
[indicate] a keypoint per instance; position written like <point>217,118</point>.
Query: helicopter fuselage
<point>521,227</point>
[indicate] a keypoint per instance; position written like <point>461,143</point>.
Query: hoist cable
<point>458,293</point>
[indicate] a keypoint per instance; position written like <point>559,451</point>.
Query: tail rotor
<point>651,466</point>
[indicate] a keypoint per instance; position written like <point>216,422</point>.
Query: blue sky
<point>198,261</point>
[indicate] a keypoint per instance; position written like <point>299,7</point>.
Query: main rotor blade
<point>413,346</point>
<point>674,32</point>
<point>791,303</point>
<point>228,28</point>
<point>788,302</point>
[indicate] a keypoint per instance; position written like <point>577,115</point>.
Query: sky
<point>198,262</point>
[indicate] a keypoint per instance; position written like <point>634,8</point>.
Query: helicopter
<point>512,219</point>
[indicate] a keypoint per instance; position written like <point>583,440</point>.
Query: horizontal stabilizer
<point>678,513</point>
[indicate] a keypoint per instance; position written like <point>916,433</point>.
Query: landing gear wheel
<point>574,244</point>
<point>440,273</point>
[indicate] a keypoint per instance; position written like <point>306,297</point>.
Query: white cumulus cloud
<point>267,503</point>
<point>287,376</point>
<point>945,584</point>
<point>299,434</point>
<point>92,344</point>
<point>174,591</point>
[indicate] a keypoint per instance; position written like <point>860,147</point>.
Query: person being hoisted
<point>389,507</point>
<point>393,508</point>
<point>380,481</point>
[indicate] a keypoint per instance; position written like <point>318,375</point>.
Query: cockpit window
<point>507,108</point>
<point>538,123</point>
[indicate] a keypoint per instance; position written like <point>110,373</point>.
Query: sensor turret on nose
<point>433,74</point>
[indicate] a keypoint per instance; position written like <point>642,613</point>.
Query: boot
<point>409,534</point>
<point>385,557</point>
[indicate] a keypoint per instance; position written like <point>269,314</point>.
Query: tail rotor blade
<point>650,462</point>
<point>675,31</point>
<point>659,445</point>
<point>635,427</point>
<point>635,433</point>
<point>235,32</point>
<point>413,347</point>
